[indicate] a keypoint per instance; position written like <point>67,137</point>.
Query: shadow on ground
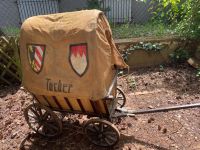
<point>73,138</point>
<point>8,90</point>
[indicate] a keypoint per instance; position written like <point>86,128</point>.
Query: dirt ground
<point>145,88</point>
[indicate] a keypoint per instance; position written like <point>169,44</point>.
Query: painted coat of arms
<point>78,58</point>
<point>36,56</point>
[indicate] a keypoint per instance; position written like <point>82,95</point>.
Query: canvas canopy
<point>68,54</point>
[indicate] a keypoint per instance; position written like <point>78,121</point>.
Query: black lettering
<point>55,89</point>
<point>59,86</point>
<point>50,87</point>
<point>48,84</point>
<point>70,85</point>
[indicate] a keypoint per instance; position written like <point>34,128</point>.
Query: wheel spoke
<point>31,115</point>
<point>101,127</point>
<point>40,125</point>
<point>40,111</point>
<point>110,137</point>
<point>91,129</point>
<point>120,97</point>
<point>34,121</point>
<point>119,103</point>
<point>45,116</point>
<point>51,126</point>
<point>101,132</point>
<point>42,120</point>
<point>35,112</point>
<point>109,133</point>
<point>96,128</point>
<point>107,141</point>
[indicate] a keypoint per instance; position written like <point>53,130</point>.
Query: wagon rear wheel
<point>101,132</point>
<point>43,120</point>
<point>121,98</point>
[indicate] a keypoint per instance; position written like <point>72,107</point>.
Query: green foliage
<point>131,83</point>
<point>179,56</point>
<point>161,68</point>
<point>156,47</point>
<point>149,47</point>
<point>168,11</point>
<point>149,29</point>
<point>190,25</point>
<point>11,31</point>
<point>185,14</point>
<point>96,4</point>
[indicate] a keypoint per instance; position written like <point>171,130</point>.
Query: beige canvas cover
<point>68,54</point>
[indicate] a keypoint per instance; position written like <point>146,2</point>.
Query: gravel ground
<point>145,88</point>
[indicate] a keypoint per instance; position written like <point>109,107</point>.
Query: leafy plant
<point>168,11</point>
<point>156,47</point>
<point>130,30</point>
<point>149,47</point>
<point>131,82</point>
<point>184,14</point>
<point>179,56</point>
<point>190,24</point>
<point>161,68</point>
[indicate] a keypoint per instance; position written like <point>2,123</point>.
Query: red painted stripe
<point>38,54</point>
<point>37,64</point>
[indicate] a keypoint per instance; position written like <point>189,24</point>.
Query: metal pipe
<point>163,109</point>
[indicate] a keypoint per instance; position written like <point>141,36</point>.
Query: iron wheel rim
<point>101,133</point>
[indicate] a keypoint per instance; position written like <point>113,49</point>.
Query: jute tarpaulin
<point>69,54</point>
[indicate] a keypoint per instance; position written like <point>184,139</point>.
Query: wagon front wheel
<point>101,132</point>
<point>43,120</point>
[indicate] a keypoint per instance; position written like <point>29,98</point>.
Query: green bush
<point>11,31</point>
<point>149,29</point>
<point>183,14</point>
<point>179,56</point>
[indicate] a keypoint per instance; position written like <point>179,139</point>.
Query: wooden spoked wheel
<point>121,98</point>
<point>101,132</point>
<point>43,120</point>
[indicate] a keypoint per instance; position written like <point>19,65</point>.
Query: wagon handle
<point>123,112</point>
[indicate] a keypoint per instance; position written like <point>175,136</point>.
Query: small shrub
<point>96,4</point>
<point>179,56</point>
<point>130,30</point>
<point>149,47</point>
<point>11,31</point>
<point>156,47</point>
<point>131,83</point>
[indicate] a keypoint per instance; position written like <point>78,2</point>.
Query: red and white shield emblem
<point>36,56</point>
<point>78,58</point>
